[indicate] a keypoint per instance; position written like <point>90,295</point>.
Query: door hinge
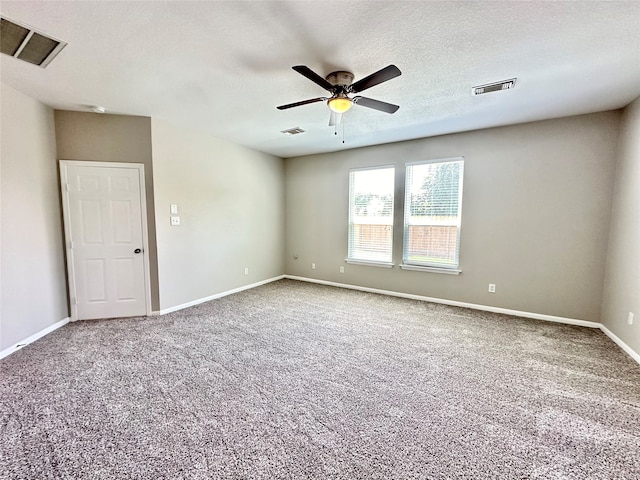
<point>66,187</point>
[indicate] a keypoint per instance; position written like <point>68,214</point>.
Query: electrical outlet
<point>175,221</point>
<point>313,266</point>
<point>341,269</point>
<point>246,271</point>
<point>630,318</point>
<point>492,288</point>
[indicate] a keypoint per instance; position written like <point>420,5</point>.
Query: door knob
<point>137,250</point>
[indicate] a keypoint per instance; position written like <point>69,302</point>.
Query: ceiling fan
<point>340,86</point>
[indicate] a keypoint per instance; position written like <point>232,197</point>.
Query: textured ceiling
<point>223,67</point>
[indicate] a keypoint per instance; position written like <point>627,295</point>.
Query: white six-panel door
<point>105,227</point>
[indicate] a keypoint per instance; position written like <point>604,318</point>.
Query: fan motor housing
<point>340,78</point>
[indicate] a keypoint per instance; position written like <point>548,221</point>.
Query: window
<point>371,215</point>
<point>432,213</point>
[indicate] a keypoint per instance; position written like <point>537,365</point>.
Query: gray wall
<point>622,281</point>
<point>539,202</point>
<point>113,138</point>
<point>231,205</point>
<point>32,270</point>
<point>535,216</point>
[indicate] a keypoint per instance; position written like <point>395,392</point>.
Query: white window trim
<point>369,263</point>
<point>454,270</point>
<point>435,160</point>
<point>376,167</point>
<point>374,263</point>
<point>422,268</point>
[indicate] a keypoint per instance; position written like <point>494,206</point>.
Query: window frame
<point>435,267</point>
<point>350,241</point>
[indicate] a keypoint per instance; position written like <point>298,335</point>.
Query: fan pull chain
<point>335,128</point>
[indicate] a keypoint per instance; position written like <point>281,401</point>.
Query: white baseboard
<point>164,311</point>
<point>538,316</point>
<point>628,350</point>
<point>486,308</point>
<point>33,338</point>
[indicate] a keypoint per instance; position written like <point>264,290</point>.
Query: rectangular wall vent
<point>293,131</point>
<point>494,87</point>
<point>23,42</point>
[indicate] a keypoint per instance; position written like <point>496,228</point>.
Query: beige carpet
<point>300,381</point>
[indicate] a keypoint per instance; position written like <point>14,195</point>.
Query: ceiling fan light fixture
<point>339,104</point>
<point>340,86</point>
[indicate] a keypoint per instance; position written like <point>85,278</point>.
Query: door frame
<point>71,279</point>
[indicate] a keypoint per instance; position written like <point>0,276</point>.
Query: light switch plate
<point>174,209</point>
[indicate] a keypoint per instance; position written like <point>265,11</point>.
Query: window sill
<point>420,268</point>
<point>369,263</point>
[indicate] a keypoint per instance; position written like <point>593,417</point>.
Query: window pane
<point>371,214</point>
<point>432,213</point>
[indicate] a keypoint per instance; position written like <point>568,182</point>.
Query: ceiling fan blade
<point>387,73</point>
<point>376,104</point>
<point>335,119</point>
<point>313,76</point>
<point>303,102</point>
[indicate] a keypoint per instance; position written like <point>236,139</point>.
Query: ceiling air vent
<point>293,131</point>
<point>494,87</point>
<point>24,43</point>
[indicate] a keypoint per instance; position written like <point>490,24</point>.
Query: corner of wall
<point>622,276</point>
<point>32,247</point>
